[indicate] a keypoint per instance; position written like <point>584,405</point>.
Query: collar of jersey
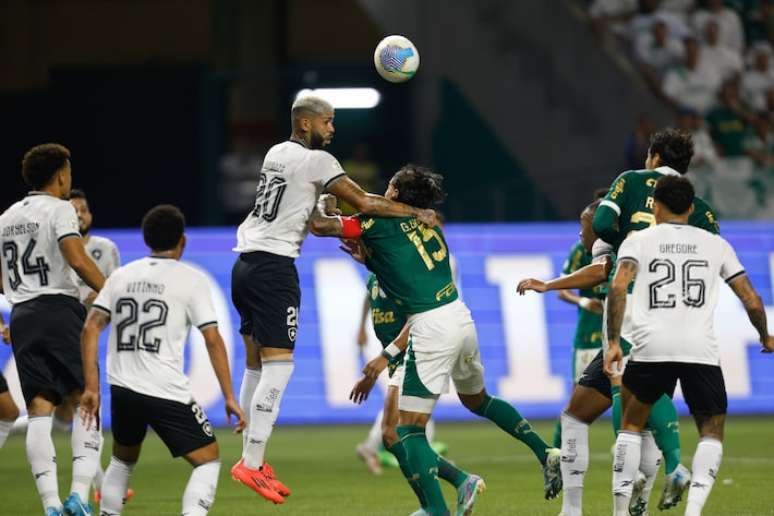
<point>35,192</point>
<point>302,144</point>
<point>667,171</point>
<point>160,257</point>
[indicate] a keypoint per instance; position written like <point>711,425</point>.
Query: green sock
<point>508,418</point>
<point>451,473</point>
<point>558,434</point>
<point>616,414</point>
<point>399,451</point>
<point>666,431</point>
<point>423,462</point>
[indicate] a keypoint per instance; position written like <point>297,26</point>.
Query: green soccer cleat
<point>74,506</point>
<point>440,448</point>
<point>387,459</point>
<point>467,492</point>
<point>552,474</point>
<point>675,485</point>
<point>638,506</point>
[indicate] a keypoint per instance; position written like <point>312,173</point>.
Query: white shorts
<point>443,345</point>
<point>396,380</point>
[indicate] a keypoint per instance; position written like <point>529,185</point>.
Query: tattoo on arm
<point>98,318</point>
<point>616,298</point>
<point>752,303</point>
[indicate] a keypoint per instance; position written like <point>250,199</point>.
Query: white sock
<point>625,466</point>
<point>114,487</point>
<point>264,409</point>
<point>706,463</point>
<point>575,462</point>
<point>374,440</point>
<point>650,460</point>
<point>42,458</point>
<point>99,476</point>
<point>20,425</point>
<point>430,431</point>
<point>86,445</point>
<point>250,379</point>
<point>5,429</point>
<point>200,492</point>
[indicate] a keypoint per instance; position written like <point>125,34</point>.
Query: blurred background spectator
<point>719,58</point>
<point>638,143</point>
<point>690,85</point>
<point>364,171</point>
<point>759,78</point>
<point>238,172</point>
<point>728,121</point>
<point>731,33</point>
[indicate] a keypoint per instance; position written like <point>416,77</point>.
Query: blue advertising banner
<point>525,341</point>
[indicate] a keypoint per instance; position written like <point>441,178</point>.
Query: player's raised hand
<point>328,204</point>
<point>375,367</point>
<point>361,390</point>
<point>429,218</point>
<point>530,284</point>
<point>233,409</point>
<point>768,345</point>
<point>613,360</point>
<point>90,408</point>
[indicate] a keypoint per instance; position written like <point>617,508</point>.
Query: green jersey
<point>410,260</point>
<point>631,197</point>
<point>387,319</point>
<point>588,331</point>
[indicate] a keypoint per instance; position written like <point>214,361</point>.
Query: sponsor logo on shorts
<point>292,334</point>
<point>207,428</point>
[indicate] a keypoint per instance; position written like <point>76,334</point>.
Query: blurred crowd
<point>712,61</point>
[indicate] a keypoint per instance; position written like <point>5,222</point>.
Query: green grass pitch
<point>320,467</point>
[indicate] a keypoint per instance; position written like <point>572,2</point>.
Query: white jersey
<point>105,254</point>
<point>30,232</point>
<point>289,183</point>
<point>675,292</point>
<point>153,302</point>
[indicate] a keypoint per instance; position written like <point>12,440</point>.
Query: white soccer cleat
<point>675,485</point>
<point>370,458</point>
<point>466,494</point>
<point>638,506</point>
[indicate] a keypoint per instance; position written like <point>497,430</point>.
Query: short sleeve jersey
<point>152,303</point>
<point>291,179</point>
<point>588,331</point>
<point>411,262</point>
<point>105,254</point>
<point>386,317</point>
<point>676,291</point>
<point>32,263</point>
<point>631,197</point>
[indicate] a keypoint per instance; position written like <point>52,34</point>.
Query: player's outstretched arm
<point>219,361</point>
<point>376,205</point>
<point>95,323</point>
<point>616,306</point>
<point>755,310</point>
<point>586,277</point>
<point>76,257</point>
<point>362,334</point>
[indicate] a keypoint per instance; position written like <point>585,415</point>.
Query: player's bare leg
<point>706,461</point>
<point>628,449</point>
<point>8,414</point>
<point>585,406</point>
<point>508,419</point>
<point>252,470</point>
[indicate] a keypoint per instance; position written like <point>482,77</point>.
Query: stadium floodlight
<point>345,98</point>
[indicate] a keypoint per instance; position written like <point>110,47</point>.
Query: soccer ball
<point>396,59</point>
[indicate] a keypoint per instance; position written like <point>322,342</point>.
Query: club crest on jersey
<point>96,254</point>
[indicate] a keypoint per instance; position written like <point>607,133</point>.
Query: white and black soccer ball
<point>396,58</point>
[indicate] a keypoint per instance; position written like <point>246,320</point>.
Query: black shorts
<point>703,386</point>
<point>46,340</point>
<point>183,427</point>
<point>3,384</point>
<point>594,377</point>
<point>265,292</point>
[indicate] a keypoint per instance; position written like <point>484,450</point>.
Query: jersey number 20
<point>268,197</point>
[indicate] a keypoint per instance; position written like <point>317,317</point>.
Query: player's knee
<point>472,402</point>
<point>711,426</point>
<point>126,454</point>
<point>41,405</point>
<point>203,455</point>
<point>10,412</point>
<point>389,436</point>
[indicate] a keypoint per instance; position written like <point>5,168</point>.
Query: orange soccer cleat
<point>278,486</point>
<point>256,480</point>
<point>128,496</point>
